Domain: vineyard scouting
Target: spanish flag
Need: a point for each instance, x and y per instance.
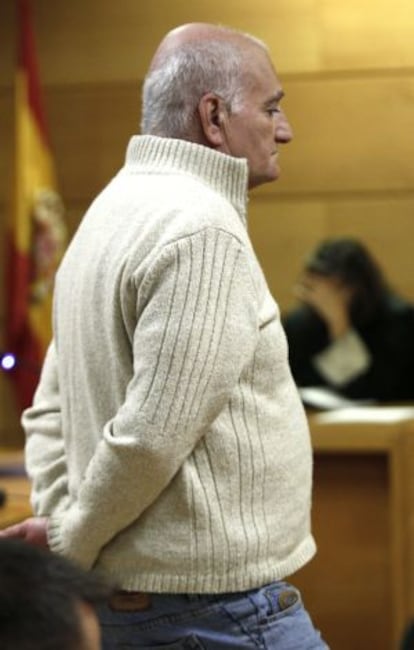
(36, 233)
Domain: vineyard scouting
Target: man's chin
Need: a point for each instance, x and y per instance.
(271, 176)
(273, 172)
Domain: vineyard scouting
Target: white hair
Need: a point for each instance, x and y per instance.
(173, 89)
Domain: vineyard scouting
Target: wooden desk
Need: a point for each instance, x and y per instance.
(360, 587)
(17, 487)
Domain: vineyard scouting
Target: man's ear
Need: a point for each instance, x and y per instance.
(211, 112)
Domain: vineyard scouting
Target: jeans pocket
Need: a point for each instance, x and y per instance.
(282, 603)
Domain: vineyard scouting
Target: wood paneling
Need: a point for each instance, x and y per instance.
(282, 233)
(359, 586)
(87, 40)
(351, 135)
(10, 429)
(89, 129)
(360, 35)
(285, 230)
(348, 598)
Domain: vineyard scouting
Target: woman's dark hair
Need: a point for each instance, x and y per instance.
(350, 261)
(40, 593)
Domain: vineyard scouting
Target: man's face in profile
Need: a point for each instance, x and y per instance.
(256, 128)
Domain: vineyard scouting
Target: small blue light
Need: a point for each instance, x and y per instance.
(7, 361)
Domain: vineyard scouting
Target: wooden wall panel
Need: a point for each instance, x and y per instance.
(387, 227)
(91, 126)
(11, 432)
(351, 524)
(87, 40)
(351, 134)
(361, 34)
(284, 231)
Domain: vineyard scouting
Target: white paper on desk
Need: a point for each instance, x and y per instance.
(368, 414)
(325, 399)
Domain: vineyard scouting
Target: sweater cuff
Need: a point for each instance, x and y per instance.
(86, 555)
(343, 360)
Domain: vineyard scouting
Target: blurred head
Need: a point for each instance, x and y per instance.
(217, 87)
(45, 601)
(351, 265)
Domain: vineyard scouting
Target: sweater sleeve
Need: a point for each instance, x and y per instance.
(196, 328)
(45, 451)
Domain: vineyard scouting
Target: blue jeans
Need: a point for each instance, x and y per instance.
(272, 617)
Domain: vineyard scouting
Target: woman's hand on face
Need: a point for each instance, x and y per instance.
(330, 298)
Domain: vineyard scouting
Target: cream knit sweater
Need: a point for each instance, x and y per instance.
(167, 442)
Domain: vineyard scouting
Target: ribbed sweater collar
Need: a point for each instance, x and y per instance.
(225, 174)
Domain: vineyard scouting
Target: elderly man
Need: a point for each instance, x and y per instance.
(167, 443)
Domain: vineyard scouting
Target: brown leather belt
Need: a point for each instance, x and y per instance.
(130, 601)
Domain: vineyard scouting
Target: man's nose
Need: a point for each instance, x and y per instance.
(283, 132)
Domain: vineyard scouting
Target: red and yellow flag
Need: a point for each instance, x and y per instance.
(36, 229)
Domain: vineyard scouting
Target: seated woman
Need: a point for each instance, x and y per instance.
(351, 333)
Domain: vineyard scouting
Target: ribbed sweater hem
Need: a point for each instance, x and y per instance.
(135, 579)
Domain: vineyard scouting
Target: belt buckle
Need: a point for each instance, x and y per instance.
(130, 601)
